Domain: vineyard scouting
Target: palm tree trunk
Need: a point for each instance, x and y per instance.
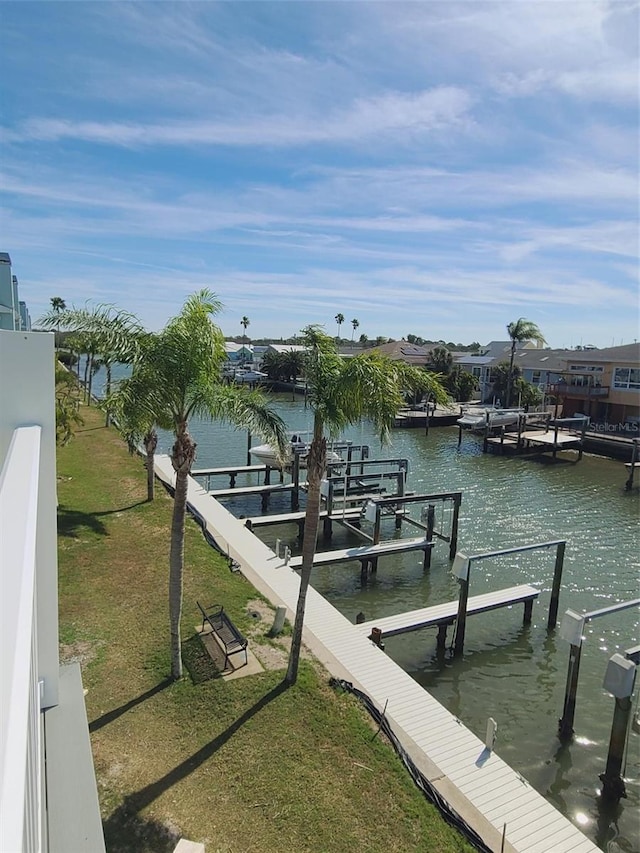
(182, 456)
(90, 380)
(86, 373)
(150, 444)
(108, 391)
(510, 376)
(316, 463)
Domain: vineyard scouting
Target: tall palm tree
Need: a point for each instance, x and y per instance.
(177, 375)
(355, 323)
(339, 318)
(341, 393)
(519, 331)
(57, 305)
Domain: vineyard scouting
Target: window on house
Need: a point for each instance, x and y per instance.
(626, 378)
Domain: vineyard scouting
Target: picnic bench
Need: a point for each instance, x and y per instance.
(224, 629)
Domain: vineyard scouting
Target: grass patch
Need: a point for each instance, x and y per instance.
(242, 765)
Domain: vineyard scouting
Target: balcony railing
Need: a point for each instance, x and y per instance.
(582, 392)
(20, 745)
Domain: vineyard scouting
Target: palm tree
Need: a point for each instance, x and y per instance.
(109, 332)
(177, 375)
(57, 305)
(136, 424)
(519, 331)
(441, 360)
(355, 323)
(339, 320)
(341, 393)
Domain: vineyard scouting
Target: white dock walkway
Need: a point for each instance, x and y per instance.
(488, 793)
(429, 617)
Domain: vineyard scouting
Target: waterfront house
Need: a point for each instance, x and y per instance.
(414, 354)
(604, 384)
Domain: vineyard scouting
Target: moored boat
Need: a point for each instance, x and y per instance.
(265, 454)
(478, 417)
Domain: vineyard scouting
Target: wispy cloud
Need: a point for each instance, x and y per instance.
(452, 163)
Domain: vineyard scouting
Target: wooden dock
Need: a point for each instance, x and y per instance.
(443, 615)
(535, 440)
(486, 793)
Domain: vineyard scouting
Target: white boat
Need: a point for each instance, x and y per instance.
(249, 376)
(265, 454)
(477, 417)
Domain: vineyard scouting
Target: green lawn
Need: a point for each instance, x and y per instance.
(241, 765)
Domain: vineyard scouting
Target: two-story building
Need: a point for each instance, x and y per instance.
(604, 384)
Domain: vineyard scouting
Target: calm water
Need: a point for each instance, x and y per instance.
(513, 673)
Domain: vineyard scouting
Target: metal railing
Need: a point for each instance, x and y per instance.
(582, 391)
(21, 803)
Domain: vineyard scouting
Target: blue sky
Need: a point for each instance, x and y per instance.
(430, 168)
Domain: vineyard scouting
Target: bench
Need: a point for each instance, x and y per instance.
(224, 629)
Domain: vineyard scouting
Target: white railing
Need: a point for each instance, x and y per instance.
(20, 719)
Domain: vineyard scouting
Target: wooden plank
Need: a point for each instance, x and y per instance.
(346, 554)
(250, 490)
(427, 617)
(232, 469)
(294, 517)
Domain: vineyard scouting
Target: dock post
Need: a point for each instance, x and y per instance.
(441, 639)
(232, 480)
(555, 440)
(265, 501)
(462, 616)
(431, 518)
(295, 492)
(267, 476)
(619, 679)
(613, 787)
(634, 462)
(376, 527)
(453, 545)
(376, 637)
(565, 724)
(327, 527)
(528, 610)
(555, 588)
(248, 447)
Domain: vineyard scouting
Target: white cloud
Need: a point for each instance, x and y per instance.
(392, 113)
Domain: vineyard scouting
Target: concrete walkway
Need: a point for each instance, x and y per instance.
(482, 788)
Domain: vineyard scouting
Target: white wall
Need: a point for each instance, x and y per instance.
(27, 398)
